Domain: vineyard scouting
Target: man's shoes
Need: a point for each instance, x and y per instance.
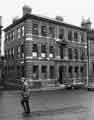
(28, 112)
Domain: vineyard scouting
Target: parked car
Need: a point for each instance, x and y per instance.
(68, 86)
(77, 85)
(62, 85)
(91, 86)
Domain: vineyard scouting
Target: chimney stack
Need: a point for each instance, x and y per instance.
(26, 10)
(86, 24)
(59, 18)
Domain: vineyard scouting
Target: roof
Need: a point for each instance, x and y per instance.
(38, 17)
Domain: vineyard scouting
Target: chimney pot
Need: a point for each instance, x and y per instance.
(26, 10)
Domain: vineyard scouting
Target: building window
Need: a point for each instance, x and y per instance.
(8, 53)
(61, 52)
(18, 33)
(22, 70)
(43, 48)
(75, 36)
(9, 36)
(35, 29)
(35, 72)
(70, 71)
(70, 35)
(82, 70)
(76, 54)
(6, 38)
(34, 50)
(22, 51)
(44, 71)
(51, 50)
(22, 30)
(61, 33)
(52, 72)
(12, 52)
(82, 53)
(52, 31)
(70, 53)
(77, 70)
(13, 35)
(18, 51)
(82, 37)
(44, 30)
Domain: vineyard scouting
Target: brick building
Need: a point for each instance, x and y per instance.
(48, 51)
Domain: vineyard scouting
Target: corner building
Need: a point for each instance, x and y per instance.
(47, 51)
(91, 56)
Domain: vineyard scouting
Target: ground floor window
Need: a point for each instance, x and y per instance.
(52, 72)
(22, 71)
(44, 71)
(70, 71)
(77, 71)
(35, 72)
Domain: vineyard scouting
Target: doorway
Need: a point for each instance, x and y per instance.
(61, 73)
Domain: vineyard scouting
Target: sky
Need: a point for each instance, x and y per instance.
(71, 10)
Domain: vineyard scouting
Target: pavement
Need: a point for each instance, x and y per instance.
(49, 105)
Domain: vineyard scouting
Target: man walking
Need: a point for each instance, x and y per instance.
(25, 99)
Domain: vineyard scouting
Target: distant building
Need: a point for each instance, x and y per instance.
(1, 61)
(47, 51)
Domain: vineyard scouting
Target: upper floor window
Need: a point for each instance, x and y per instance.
(70, 70)
(22, 50)
(6, 54)
(6, 37)
(12, 52)
(44, 71)
(9, 36)
(61, 52)
(70, 53)
(61, 33)
(82, 37)
(75, 36)
(13, 35)
(52, 31)
(82, 53)
(51, 49)
(77, 70)
(18, 33)
(44, 30)
(43, 48)
(18, 51)
(22, 30)
(76, 53)
(9, 52)
(70, 35)
(34, 48)
(35, 29)
(82, 70)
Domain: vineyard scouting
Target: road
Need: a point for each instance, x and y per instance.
(49, 105)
